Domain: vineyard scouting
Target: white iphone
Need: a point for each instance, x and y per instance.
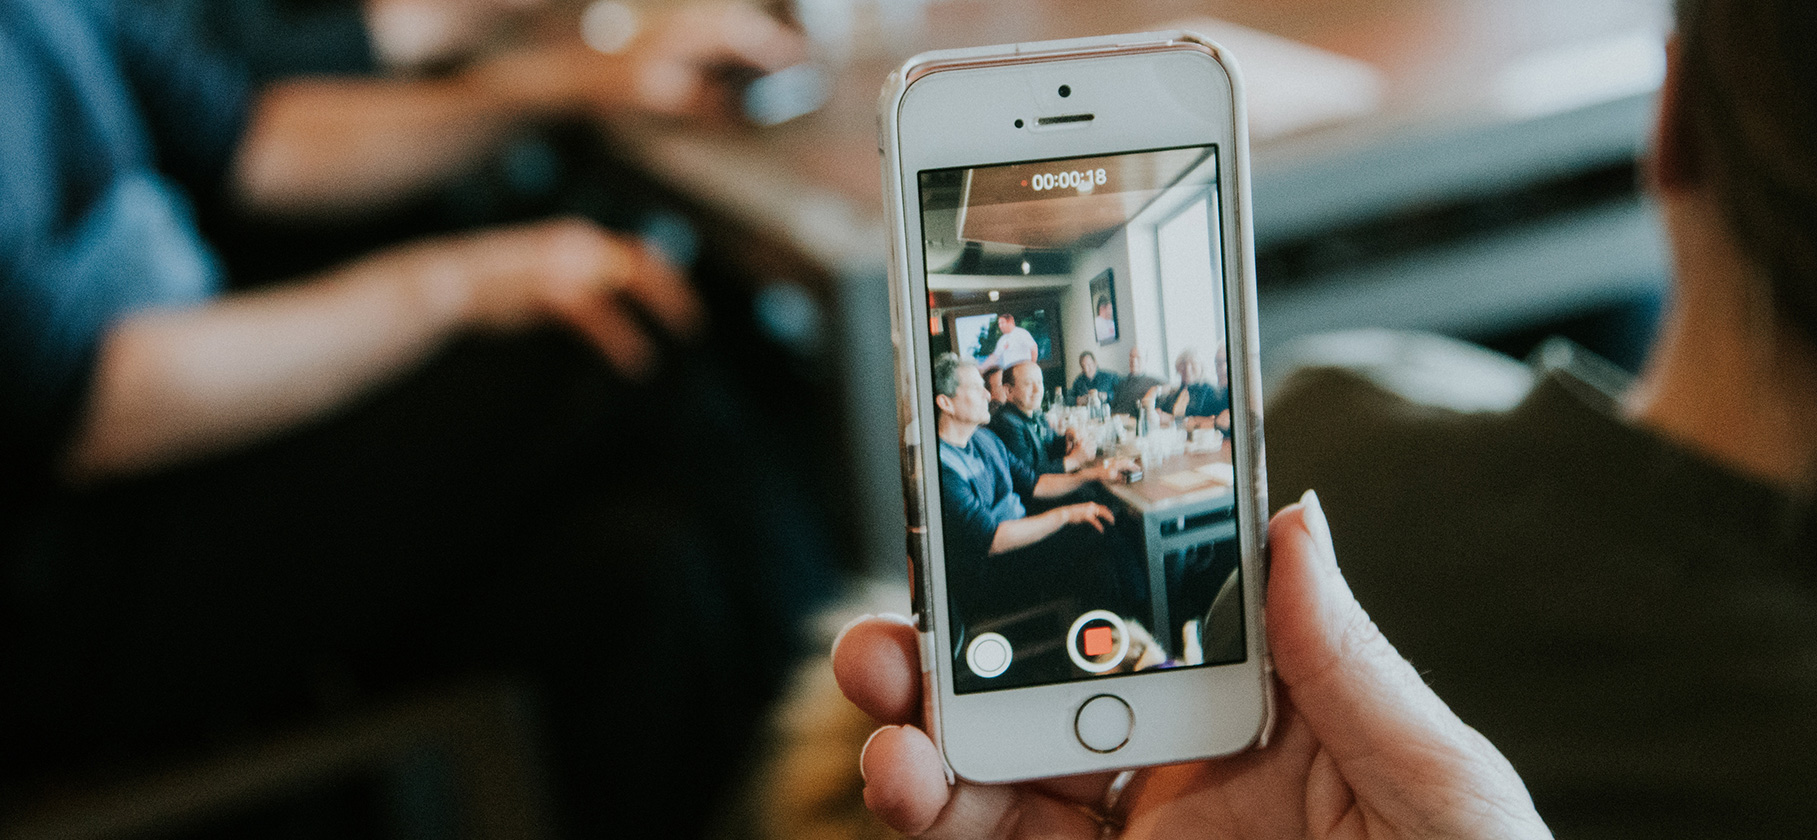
(1080, 402)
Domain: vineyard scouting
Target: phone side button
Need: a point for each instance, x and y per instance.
(1103, 723)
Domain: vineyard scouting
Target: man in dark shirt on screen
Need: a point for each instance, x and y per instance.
(1092, 378)
(1136, 389)
(1026, 434)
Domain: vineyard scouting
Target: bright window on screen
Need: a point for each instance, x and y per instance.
(1192, 303)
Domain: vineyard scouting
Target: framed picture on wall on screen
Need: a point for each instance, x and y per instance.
(1104, 307)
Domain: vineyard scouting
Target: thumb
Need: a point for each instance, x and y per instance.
(1355, 691)
(1397, 745)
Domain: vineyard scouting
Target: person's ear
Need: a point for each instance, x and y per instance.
(1672, 164)
(944, 403)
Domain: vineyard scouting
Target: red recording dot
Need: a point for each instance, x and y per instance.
(1025, 182)
(1099, 641)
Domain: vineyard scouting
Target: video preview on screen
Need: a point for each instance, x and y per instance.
(1082, 404)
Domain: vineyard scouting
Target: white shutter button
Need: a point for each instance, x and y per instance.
(1103, 723)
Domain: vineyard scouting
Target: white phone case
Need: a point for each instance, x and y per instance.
(1162, 702)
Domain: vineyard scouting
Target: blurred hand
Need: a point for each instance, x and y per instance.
(1109, 470)
(410, 34)
(1120, 469)
(570, 271)
(1364, 749)
(1089, 513)
(1078, 445)
(678, 62)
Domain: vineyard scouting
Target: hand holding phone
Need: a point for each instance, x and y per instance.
(1365, 748)
(1055, 203)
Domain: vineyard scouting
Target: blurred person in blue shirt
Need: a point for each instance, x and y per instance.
(434, 459)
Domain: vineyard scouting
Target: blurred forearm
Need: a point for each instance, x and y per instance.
(1054, 485)
(1022, 533)
(172, 385)
(336, 145)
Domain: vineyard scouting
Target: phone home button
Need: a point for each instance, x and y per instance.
(1103, 723)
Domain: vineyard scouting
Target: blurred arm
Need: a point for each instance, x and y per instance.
(1024, 532)
(328, 145)
(171, 385)
(1052, 485)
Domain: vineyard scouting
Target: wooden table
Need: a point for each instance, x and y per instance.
(1177, 516)
(803, 198)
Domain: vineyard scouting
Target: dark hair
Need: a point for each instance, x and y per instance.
(1087, 355)
(1748, 76)
(946, 373)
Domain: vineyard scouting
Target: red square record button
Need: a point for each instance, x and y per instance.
(1099, 641)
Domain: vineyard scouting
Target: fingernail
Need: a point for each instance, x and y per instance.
(1316, 525)
(848, 627)
(867, 748)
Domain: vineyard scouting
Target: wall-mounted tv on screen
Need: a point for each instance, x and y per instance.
(975, 335)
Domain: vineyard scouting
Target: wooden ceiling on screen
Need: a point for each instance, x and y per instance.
(1002, 206)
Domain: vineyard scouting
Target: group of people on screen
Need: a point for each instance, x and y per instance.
(1199, 398)
(1025, 520)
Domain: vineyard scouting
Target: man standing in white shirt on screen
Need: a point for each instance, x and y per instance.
(1015, 346)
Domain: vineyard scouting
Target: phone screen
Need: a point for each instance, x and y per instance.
(1078, 333)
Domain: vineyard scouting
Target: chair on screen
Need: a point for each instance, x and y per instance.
(1218, 637)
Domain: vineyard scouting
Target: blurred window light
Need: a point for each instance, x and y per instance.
(608, 26)
(786, 94)
(1582, 74)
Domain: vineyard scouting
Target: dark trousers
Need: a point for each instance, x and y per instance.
(638, 555)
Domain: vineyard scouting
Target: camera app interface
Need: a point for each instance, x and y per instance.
(1082, 405)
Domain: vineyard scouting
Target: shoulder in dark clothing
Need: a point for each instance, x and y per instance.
(1203, 399)
(1130, 392)
(116, 118)
(1563, 577)
(1028, 440)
